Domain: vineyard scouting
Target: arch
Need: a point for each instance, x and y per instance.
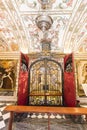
(47, 65)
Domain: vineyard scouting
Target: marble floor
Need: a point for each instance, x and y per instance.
(42, 124)
(40, 121)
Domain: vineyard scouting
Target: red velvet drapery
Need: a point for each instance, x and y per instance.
(23, 81)
(69, 81)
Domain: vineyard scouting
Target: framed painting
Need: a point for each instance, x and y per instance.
(81, 70)
(9, 69)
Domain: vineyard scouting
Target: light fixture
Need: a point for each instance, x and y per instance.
(44, 22)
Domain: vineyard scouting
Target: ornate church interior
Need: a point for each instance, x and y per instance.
(43, 54)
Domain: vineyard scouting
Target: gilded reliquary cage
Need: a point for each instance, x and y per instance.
(45, 83)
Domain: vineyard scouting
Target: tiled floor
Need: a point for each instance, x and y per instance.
(4, 116)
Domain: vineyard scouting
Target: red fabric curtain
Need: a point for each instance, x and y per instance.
(23, 81)
(23, 88)
(69, 81)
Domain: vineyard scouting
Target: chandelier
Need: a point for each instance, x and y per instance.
(44, 22)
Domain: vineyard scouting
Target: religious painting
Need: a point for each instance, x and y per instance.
(81, 68)
(8, 77)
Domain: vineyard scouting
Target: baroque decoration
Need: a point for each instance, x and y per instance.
(19, 32)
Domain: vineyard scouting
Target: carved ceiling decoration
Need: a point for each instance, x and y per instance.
(19, 32)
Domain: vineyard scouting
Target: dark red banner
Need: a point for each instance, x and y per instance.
(23, 89)
(69, 82)
(23, 81)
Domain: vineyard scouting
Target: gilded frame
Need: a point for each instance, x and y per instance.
(10, 61)
(81, 70)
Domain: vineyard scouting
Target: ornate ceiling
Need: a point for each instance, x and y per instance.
(19, 32)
